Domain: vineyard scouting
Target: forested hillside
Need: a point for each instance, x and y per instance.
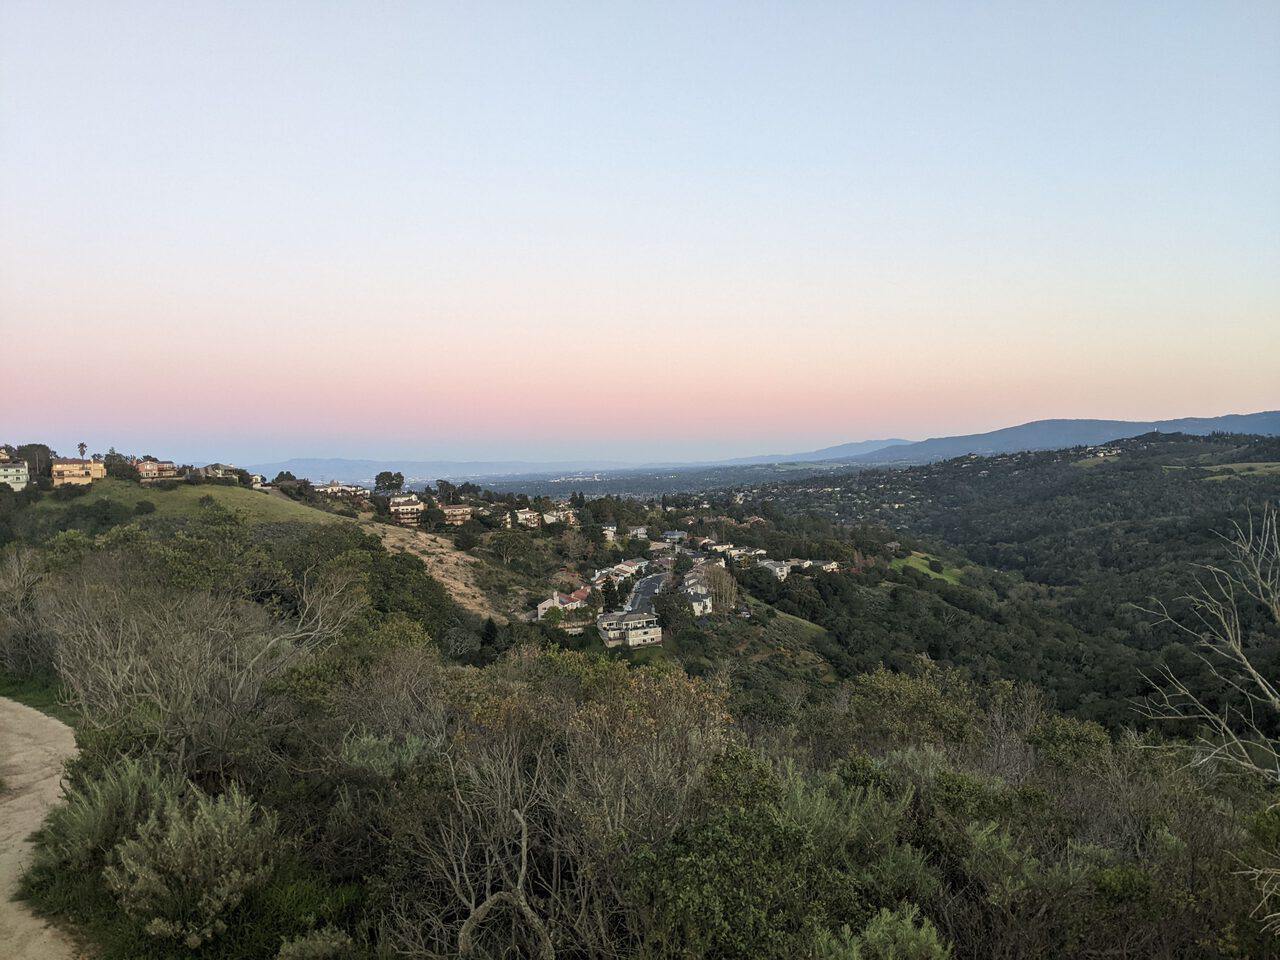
(1060, 554)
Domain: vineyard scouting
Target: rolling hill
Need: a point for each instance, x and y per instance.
(1059, 434)
(841, 451)
(257, 506)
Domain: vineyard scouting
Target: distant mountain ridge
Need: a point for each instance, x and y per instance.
(1056, 434)
(1036, 435)
(841, 451)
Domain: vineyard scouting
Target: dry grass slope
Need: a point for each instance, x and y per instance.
(456, 570)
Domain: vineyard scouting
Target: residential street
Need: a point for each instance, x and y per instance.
(645, 590)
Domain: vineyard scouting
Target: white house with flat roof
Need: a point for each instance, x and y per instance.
(637, 628)
(15, 473)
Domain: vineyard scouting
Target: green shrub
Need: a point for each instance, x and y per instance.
(900, 935)
(192, 863)
(861, 770)
(383, 756)
(328, 943)
(1124, 884)
(1064, 741)
(891, 935)
(739, 885)
(80, 833)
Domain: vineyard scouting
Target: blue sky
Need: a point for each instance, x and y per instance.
(547, 230)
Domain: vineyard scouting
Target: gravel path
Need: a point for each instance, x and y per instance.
(33, 748)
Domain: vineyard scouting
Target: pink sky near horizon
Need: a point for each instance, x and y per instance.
(252, 232)
(484, 394)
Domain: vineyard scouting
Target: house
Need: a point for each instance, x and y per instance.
(335, 489)
(674, 536)
(777, 568)
(799, 564)
(610, 532)
(636, 628)
(560, 515)
(217, 471)
(694, 587)
(619, 571)
(406, 509)
(69, 472)
(827, 566)
(155, 470)
(456, 514)
(639, 533)
(258, 481)
(15, 473)
(528, 518)
(557, 601)
(564, 602)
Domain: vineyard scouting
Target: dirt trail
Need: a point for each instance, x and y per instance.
(33, 748)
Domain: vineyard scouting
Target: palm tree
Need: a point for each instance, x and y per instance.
(82, 447)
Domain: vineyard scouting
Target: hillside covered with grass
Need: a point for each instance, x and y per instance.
(184, 499)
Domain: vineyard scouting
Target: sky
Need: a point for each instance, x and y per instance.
(525, 230)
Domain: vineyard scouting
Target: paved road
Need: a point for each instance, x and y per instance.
(645, 590)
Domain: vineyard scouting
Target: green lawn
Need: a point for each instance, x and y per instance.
(920, 561)
(783, 625)
(258, 506)
(1228, 470)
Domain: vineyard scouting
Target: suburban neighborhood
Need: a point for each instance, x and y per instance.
(585, 566)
